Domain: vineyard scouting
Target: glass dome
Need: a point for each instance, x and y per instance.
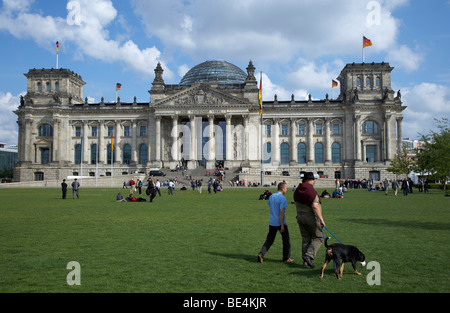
(214, 71)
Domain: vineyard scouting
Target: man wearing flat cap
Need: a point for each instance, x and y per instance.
(309, 218)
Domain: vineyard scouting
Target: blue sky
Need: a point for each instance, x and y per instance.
(299, 45)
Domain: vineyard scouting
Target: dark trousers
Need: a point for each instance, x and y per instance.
(64, 193)
(271, 237)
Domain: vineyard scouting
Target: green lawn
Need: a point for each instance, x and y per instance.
(208, 243)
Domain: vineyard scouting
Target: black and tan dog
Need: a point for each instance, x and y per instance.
(346, 253)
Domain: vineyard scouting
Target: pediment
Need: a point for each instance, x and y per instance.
(201, 95)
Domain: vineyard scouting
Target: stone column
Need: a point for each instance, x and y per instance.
(158, 138)
(85, 146)
(229, 142)
(357, 138)
(192, 162)
(56, 143)
(327, 145)
(134, 159)
(101, 143)
(387, 138)
(293, 145)
(246, 139)
(174, 133)
(399, 134)
(117, 151)
(276, 142)
(211, 162)
(310, 143)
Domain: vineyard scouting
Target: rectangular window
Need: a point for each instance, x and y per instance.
(45, 155)
(319, 129)
(126, 131)
(301, 129)
(78, 131)
(110, 131)
(268, 130)
(284, 129)
(336, 130)
(143, 131)
(94, 131)
(371, 154)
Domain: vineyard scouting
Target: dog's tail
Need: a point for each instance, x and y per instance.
(326, 244)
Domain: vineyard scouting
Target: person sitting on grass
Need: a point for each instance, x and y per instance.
(131, 198)
(119, 198)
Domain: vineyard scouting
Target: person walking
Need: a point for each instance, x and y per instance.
(64, 189)
(171, 186)
(75, 186)
(385, 186)
(277, 222)
(151, 190)
(395, 187)
(405, 187)
(309, 218)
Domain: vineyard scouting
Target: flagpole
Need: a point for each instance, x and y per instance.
(57, 60)
(81, 163)
(112, 159)
(96, 167)
(262, 131)
(363, 50)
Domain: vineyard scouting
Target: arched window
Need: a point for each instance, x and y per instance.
(368, 81)
(378, 82)
(301, 153)
(49, 86)
(318, 152)
(267, 153)
(94, 153)
(370, 127)
(336, 152)
(39, 86)
(57, 86)
(126, 154)
(46, 130)
(284, 153)
(358, 82)
(143, 154)
(77, 156)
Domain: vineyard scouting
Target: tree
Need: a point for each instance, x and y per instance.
(434, 158)
(401, 164)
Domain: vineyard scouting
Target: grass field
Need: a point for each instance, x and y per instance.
(189, 243)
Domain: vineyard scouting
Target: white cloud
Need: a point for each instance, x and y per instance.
(88, 29)
(268, 30)
(424, 102)
(405, 58)
(8, 125)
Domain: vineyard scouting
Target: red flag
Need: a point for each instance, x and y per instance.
(118, 86)
(57, 47)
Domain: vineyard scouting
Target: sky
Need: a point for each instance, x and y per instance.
(298, 45)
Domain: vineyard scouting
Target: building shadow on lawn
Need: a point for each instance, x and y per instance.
(402, 223)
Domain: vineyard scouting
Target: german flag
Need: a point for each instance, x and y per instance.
(366, 42)
(334, 83)
(57, 47)
(260, 95)
(112, 143)
(118, 86)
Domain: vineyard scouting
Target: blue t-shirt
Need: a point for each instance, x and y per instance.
(277, 202)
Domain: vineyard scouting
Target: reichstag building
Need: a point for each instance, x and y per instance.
(211, 118)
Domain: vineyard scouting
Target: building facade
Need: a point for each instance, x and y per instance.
(211, 118)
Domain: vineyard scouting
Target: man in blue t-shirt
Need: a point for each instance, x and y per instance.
(277, 222)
